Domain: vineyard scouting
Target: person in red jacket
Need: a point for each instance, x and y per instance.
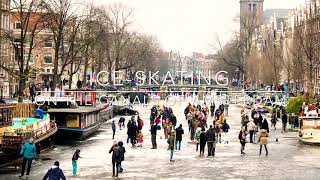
(312, 107)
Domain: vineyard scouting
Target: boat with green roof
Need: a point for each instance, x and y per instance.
(15, 130)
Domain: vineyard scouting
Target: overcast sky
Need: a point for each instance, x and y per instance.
(190, 25)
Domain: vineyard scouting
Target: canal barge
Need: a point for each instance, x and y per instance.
(77, 122)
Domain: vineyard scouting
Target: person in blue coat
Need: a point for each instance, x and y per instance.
(29, 153)
(39, 113)
(55, 173)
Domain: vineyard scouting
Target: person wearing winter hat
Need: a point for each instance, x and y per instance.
(55, 173)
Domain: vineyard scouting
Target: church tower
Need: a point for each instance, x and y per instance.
(252, 8)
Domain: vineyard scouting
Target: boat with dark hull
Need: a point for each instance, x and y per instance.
(76, 123)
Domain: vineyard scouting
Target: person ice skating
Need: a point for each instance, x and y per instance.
(197, 138)
(121, 122)
(153, 131)
(29, 153)
(212, 109)
(251, 128)
(179, 133)
(274, 120)
(284, 119)
(75, 158)
(225, 129)
(121, 158)
(55, 173)
(132, 131)
(116, 159)
(171, 143)
(203, 141)
(140, 123)
(140, 138)
(211, 138)
(217, 132)
(242, 138)
(263, 139)
(221, 107)
(244, 119)
(165, 126)
(265, 125)
(113, 125)
(173, 120)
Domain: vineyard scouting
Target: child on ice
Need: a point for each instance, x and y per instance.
(75, 158)
(140, 139)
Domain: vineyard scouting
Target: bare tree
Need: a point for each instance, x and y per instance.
(238, 50)
(274, 59)
(90, 33)
(254, 68)
(24, 39)
(140, 54)
(232, 55)
(65, 25)
(307, 41)
(120, 48)
(288, 63)
(119, 18)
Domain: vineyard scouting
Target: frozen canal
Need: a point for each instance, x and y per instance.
(287, 159)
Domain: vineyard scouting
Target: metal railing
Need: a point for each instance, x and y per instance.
(14, 140)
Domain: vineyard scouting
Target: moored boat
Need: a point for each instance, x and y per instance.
(76, 122)
(14, 131)
(310, 129)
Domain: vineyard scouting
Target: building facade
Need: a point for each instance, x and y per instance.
(301, 30)
(42, 51)
(249, 8)
(4, 47)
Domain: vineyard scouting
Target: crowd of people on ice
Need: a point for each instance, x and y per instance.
(198, 118)
(207, 126)
(253, 125)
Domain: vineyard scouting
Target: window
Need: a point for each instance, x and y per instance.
(27, 42)
(48, 44)
(47, 58)
(31, 58)
(18, 25)
(249, 7)
(254, 9)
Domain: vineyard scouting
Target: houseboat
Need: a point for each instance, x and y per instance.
(309, 132)
(75, 122)
(15, 130)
